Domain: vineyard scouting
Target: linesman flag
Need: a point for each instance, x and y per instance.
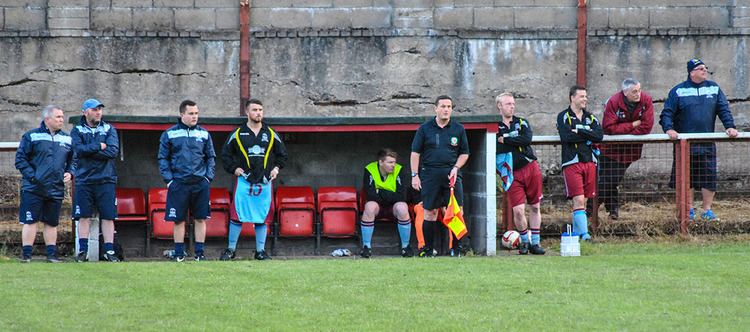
(454, 217)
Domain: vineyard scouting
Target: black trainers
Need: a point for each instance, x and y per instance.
(261, 255)
(536, 249)
(111, 257)
(200, 257)
(426, 252)
(456, 252)
(407, 252)
(523, 248)
(53, 259)
(82, 257)
(366, 252)
(227, 255)
(25, 259)
(178, 259)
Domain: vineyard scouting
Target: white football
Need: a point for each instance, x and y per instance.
(511, 240)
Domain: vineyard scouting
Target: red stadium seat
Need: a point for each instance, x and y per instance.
(338, 211)
(131, 207)
(218, 224)
(157, 205)
(295, 211)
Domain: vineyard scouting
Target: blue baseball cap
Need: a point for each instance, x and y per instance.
(91, 103)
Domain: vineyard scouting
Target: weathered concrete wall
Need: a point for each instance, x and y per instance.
(356, 58)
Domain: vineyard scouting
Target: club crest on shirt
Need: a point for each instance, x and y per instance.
(454, 141)
(264, 137)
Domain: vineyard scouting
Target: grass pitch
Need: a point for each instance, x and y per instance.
(614, 286)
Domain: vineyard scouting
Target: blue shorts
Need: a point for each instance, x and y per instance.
(703, 172)
(37, 208)
(182, 196)
(436, 188)
(100, 195)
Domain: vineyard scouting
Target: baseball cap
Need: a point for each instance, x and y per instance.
(91, 103)
(694, 63)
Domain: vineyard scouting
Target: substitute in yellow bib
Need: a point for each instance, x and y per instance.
(385, 196)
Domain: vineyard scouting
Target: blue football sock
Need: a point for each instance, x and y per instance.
(535, 236)
(524, 236)
(404, 231)
(109, 246)
(580, 223)
(260, 237)
(27, 250)
(51, 250)
(368, 227)
(198, 248)
(83, 245)
(234, 234)
(179, 249)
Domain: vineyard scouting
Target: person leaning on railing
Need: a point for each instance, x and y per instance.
(630, 111)
(692, 107)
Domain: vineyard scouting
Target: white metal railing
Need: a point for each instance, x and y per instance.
(649, 137)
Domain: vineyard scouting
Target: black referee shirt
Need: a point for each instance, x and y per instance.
(440, 147)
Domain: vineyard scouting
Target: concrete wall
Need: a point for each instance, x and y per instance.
(355, 58)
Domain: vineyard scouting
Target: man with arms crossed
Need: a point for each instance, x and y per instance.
(514, 136)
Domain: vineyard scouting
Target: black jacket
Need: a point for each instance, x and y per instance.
(517, 139)
(385, 197)
(578, 147)
(255, 147)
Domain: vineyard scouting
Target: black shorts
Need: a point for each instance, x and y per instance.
(703, 172)
(37, 208)
(436, 188)
(183, 197)
(99, 196)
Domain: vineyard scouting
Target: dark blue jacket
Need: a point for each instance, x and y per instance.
(43, 159)
(186, 154)
(92, 164)
(692, 108)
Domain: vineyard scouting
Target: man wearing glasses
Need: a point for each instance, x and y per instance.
(692, 107)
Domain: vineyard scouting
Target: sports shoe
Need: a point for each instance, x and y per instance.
(178, 259)
(536, 249)
(200, 257)
(456, 252)
(709, 215)
(692, 214)
(407, 252)
(366, 252)
(25, 259)
(227, 255)
(111, 257)
(82, 257)
(53, 259)
(261, 255)
(426, 252)
(523, 248)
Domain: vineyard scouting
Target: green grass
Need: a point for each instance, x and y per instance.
(615, 286)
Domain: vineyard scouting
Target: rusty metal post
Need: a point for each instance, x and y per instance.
(244, 54)
(581, 43)
(682, 183)
(595, 204)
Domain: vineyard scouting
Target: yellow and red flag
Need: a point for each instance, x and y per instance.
(454, 217)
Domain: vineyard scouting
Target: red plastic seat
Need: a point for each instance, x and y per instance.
(157, 205)
(131, 204)
(338, 211)
(295, 208)
(218, 224)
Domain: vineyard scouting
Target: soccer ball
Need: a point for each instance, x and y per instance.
(511, 240)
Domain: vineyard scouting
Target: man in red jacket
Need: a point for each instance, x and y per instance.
(628, 112)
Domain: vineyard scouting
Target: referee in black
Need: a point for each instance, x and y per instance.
(439, 150)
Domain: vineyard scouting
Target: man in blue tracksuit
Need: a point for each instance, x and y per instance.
(45, 160)
(187, 164)
(692, 107)
(96, 146)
